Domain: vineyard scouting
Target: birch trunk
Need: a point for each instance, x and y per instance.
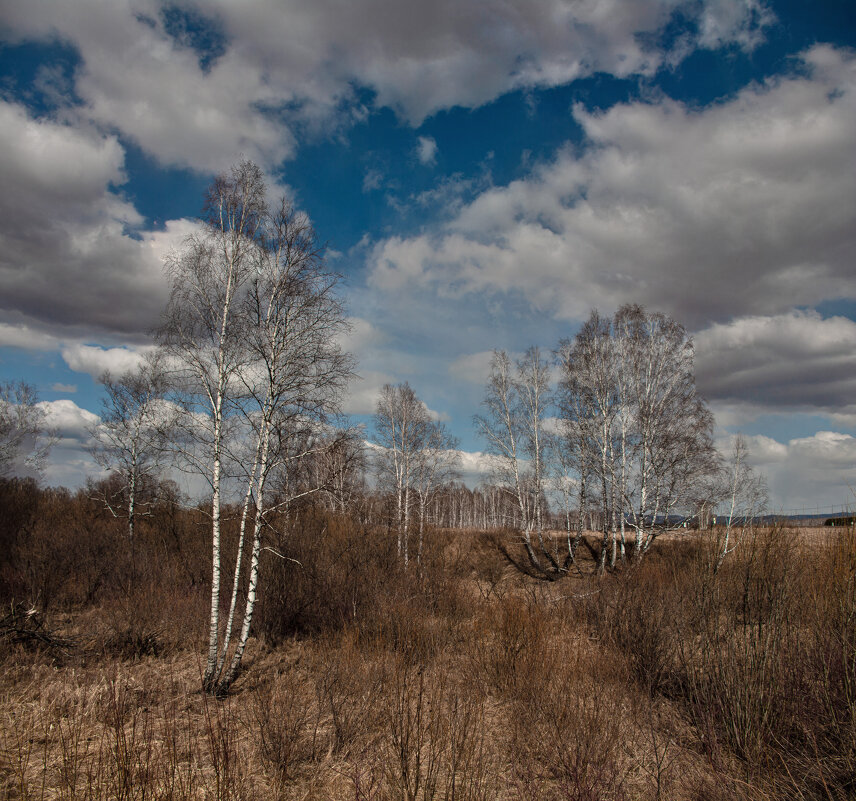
(252, 585)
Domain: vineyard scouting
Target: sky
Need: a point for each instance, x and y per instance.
(484, 173)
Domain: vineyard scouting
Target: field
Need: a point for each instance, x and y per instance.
(461, 678)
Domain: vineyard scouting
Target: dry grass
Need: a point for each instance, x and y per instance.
(461, 680)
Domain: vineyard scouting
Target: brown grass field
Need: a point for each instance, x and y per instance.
(462, 679)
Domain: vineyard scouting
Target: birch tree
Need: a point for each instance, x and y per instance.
(250, 334)
(742, 497)
(437, 463)
(590, 407)
(202, 337)
(532, 383)
(339, 468)
(402, 429)
(291, 384)
(515, 404)
(673, 427)
(131, 436)
(25, 439)
(634, 422)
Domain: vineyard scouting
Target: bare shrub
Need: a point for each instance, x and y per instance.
(567, 737)
(412, 712)
(736, 675)
(331, 573)
(821, 759)
(280, 722)
(436, 736)
(637, 613)
(514, 643)
(348, 686)
(87, 734)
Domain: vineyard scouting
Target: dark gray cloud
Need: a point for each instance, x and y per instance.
(70, 264)
(795, 361)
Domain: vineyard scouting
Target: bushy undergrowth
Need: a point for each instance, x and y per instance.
(453, 678)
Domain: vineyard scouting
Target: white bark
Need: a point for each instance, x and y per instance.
(402, 429)
(250, 331)
(633, 417)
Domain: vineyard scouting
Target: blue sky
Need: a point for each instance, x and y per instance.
(484, 173)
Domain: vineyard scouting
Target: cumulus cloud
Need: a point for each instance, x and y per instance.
(70, 461)
(791, 361)
(365, 390)
(722, 22)
(473, 368)
(23, 336)
(805, 473)
(762, 450)
(96, 360)
(69, 420)
(475, 467)
(743, 207)
(361, 336)
(196, 84)
(71, 264)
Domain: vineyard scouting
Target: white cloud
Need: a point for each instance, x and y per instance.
(96, 360)
(67, 388)
(472, 367)
(69, 462)
(426, 149)
(362, 336)
(763, 451)
(475, 467)
(365, 390)
(23, 336)
(280, 64)
(70, 421)
(817, 471)
(742, 22)
(743, 207)
(373, 179)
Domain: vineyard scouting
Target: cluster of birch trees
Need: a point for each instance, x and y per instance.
(241, 390)
(415, 457)
(623, 429)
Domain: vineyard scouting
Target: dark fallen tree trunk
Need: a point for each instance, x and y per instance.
(27, 627)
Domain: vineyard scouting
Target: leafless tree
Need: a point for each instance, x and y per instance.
(25, 439)
(402, 429)
(339, 468)
(130, 438)
(202, 337)
(515, 406)
(437, 464)
(250, 334)
(672, 425)
(742, 497)
(291, 382)
(590, 408)
(634, 421)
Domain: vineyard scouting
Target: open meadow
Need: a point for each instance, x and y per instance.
(457, 678)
